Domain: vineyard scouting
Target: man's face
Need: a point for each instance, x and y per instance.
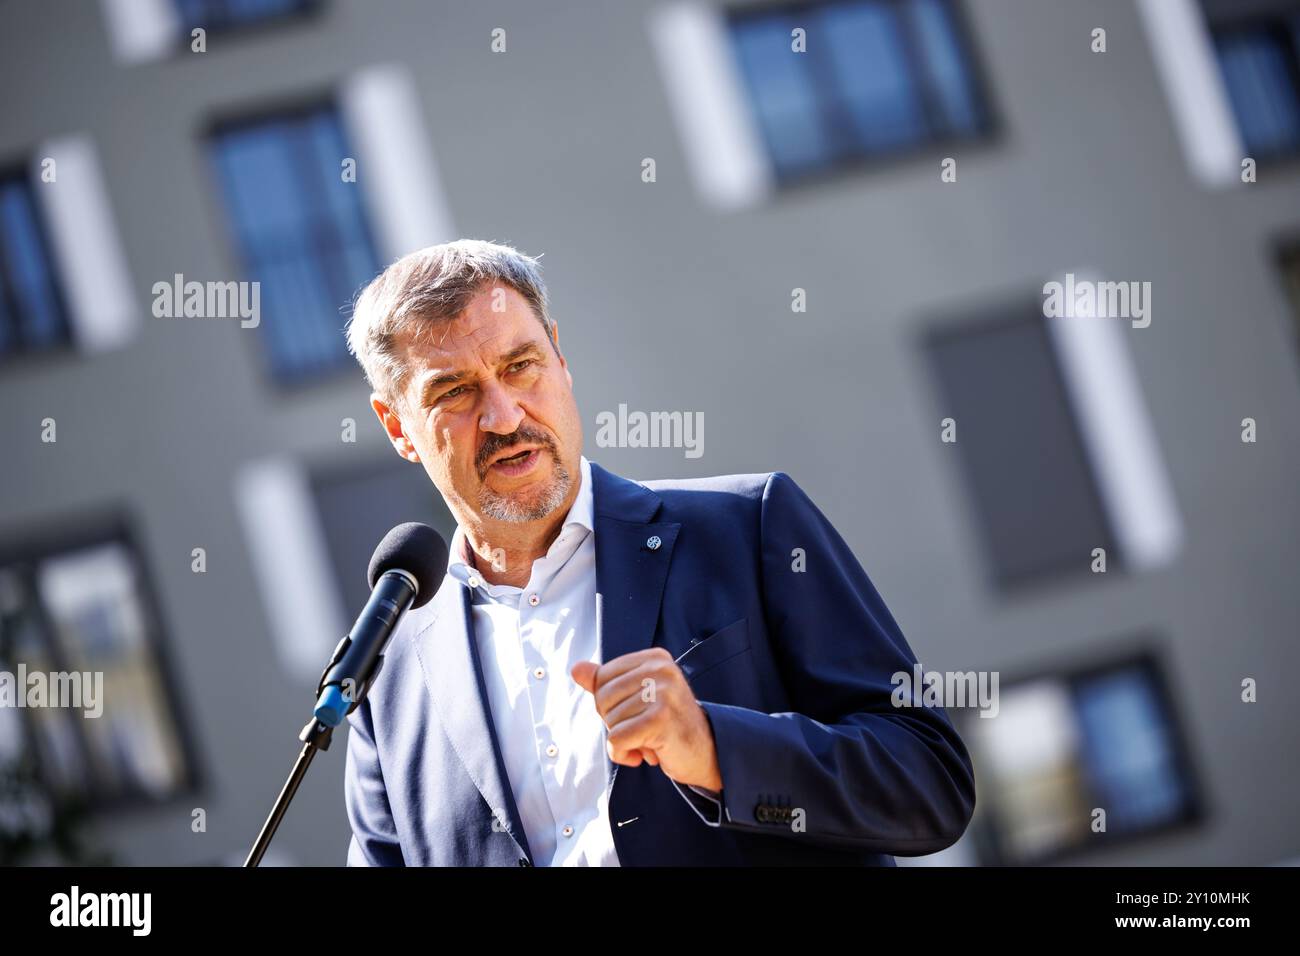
(482, 388)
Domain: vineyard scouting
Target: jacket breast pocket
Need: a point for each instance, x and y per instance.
(720, 646)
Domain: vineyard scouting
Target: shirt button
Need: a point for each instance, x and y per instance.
(539, 672)
(473, 582)
(567, 831)
(552, 750)
(534, 600)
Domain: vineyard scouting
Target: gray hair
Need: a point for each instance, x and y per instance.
(430, 287)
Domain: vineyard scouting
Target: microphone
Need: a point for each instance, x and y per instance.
(405, 572)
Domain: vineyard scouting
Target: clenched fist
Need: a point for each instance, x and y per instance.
(652, 715)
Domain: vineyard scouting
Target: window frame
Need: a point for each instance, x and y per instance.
(1237, 22)
(1145, 651)
(25, 548)
(20, 169)
(290, 108)
(992, 127)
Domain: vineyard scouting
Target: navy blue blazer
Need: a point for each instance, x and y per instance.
(788, 648)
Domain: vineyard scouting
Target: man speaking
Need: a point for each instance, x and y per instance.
(616, 673)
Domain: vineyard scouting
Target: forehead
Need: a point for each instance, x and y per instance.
(478, 336)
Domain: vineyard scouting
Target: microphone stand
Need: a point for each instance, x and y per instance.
(315, 736)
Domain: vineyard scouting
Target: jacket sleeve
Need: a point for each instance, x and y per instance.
(374, 836)
(864, 772)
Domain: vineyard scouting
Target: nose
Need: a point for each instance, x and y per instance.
(501, 413)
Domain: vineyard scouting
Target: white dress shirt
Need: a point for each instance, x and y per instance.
(552, 738)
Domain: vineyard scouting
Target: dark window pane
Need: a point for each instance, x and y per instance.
(946, 65)
(358, 506)
(879, 77)
(1258, 48)
(872, 74)
(32, 315)
(224, 14)
(784, 97)
(302, 232)
(1289, 260)
(1258, 76)
(1023, 459)
(1128, 751)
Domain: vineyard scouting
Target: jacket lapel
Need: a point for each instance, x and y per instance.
(630, 570)
(454, 675)
(630, 573)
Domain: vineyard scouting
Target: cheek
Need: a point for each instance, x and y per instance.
(432, 441)
(569, 406)
(559, 401)
(457, 444)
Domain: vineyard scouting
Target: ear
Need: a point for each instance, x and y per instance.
(392, 423)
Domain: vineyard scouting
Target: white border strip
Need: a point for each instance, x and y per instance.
(1186, 62)
(85, 243)
(1118, 435)
(396, 166)
(141, 30)
(705, 91)
(288, 548)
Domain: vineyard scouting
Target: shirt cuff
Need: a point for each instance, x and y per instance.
(707, 804)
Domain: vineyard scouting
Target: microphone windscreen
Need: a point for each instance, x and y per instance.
(416, 549)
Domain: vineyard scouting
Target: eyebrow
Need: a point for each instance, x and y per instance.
(451, 378)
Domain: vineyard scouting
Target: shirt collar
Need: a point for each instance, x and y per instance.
(581, 512)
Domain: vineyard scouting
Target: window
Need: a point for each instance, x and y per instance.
(1289, 260)
(301, 231)
(1257, 45)
(33, 316)
(311, 532)
(1021, 451)
(227, 14)
(360, 504)
(1063, 744)
(84, 605)
(879, 77)
(144, 30)
(1054, 445)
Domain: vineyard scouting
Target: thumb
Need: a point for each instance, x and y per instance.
(584, 672)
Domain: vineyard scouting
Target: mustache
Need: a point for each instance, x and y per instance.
(495, 443)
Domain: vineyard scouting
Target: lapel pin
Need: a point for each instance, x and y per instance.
(653, 542)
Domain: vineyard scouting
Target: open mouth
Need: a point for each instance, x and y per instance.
(518, 463)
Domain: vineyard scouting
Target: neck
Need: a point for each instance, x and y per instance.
(503, 552)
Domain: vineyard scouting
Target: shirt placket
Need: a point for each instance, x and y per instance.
(554, 734)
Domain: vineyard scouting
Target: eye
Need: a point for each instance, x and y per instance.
(453, 392)
(521, 365)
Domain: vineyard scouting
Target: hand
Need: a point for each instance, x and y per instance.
(651, 714)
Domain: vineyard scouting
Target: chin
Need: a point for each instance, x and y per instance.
(529, 503)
